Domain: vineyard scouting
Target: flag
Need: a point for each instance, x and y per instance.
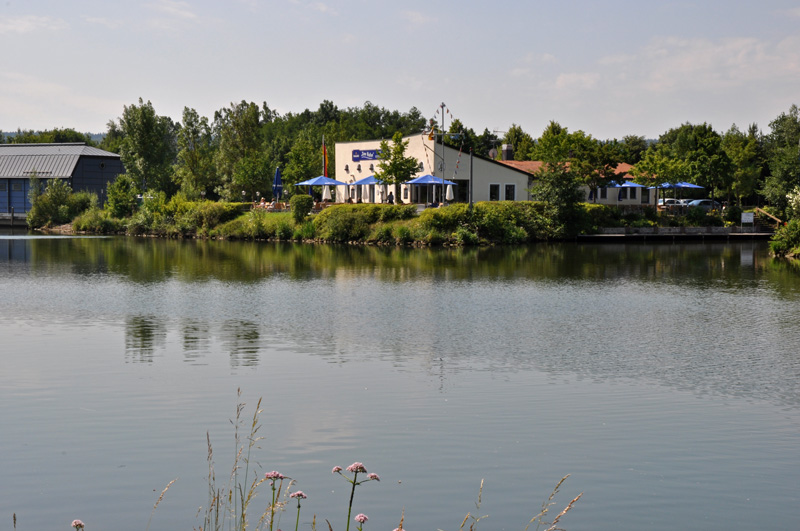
(324, 158)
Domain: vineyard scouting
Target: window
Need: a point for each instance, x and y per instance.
(405, 192)
(511, 192)
(623, 194)
(633, 193)
(603, 193)
(645, 196)
(16, 187)
(494, 192)
(3, 186)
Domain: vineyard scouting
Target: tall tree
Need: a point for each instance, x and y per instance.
(783, 157)
(149, 147)
(742, 149)
(521, 141)
(238, 132)
(699, 147)
(194, 171)
(633, 148)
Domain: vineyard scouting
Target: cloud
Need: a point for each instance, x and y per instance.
(417, 19)
(30, 24)
(172, 15)
(175, 9)
(323, 8)
(674, 64)
(577, 81)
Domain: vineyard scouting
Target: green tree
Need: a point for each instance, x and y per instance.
(633, 148)
(560, 191)
(304, 159)
(520, 140)
(743, 151)
(149, 147)
(699, 147)
(195, 170)
(783, 157)
(394, 167)
(112, 141)
(121, 195)
(238, 132)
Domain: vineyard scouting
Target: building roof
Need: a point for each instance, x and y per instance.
(46, 160)
(533, 166)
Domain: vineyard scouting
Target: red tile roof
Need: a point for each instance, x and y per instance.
(533, 166)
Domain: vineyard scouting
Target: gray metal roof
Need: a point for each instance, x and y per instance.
(47, 160)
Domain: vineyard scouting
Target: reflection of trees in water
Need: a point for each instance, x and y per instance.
(143, 335)
(196, 337)
(242, 340)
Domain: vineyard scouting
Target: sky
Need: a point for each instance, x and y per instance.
(610, 68)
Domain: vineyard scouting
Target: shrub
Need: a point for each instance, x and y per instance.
(306, 231)
(733, 214)
(57, 204)
(301, 206)
(98, 221)
(786, 239)
(341, 223)
(122, 196)
(464, 236)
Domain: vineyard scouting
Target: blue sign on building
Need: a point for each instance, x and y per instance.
(366, 154)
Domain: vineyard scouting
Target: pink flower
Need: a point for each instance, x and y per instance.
(77, 524)
(374, 477)
(299, 494)
(274, 475)
(336, 469)
(361, 518)
(357, 467)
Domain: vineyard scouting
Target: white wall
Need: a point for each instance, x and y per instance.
(485, 173)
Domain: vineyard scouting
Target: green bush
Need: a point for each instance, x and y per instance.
(98, 221)
(786, 239)
(57, 204)
(301, 206)
(306, 231)
(121, 194)
(341, 223)
(733, 214)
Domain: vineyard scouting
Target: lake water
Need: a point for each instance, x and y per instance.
(664, 378)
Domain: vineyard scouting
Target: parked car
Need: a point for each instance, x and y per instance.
(667, 203)
(705, 204)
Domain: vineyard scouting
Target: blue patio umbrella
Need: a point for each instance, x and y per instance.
(320, 181)
(429, 179)
(277, 185)
(366, 181)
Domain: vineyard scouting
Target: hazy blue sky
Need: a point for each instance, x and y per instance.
(610, 68)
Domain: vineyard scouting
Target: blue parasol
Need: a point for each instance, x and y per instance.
(277, 185)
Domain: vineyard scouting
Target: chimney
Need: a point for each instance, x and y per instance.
(508, 152)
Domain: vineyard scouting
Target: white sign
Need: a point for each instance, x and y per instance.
(748, 217)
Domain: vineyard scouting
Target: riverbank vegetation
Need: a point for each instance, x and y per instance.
(233, 156)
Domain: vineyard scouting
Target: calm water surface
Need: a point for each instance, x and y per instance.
(665, 378)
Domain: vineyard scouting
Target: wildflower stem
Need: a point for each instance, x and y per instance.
(297, 522)
(352, 494)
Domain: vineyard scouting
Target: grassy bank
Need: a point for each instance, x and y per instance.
(486, 223)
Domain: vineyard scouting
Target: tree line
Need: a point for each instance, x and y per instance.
(238, 149)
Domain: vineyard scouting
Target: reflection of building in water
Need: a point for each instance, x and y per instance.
(15, 250)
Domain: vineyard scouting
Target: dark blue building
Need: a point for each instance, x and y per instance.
(85, 168)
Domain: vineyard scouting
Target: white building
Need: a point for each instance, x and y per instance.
(491, 180)
(506, 180)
